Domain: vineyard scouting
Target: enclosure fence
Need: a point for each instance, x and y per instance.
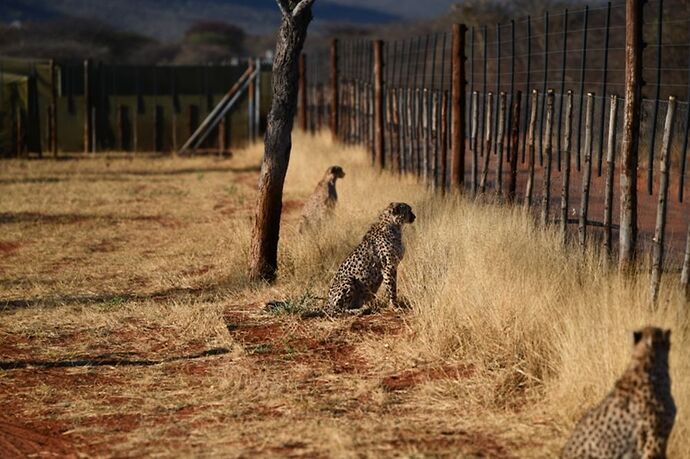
(49, 108)
(560, 113)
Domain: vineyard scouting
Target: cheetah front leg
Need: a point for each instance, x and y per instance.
(390, 274)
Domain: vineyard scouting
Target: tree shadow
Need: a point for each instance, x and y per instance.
(106, 298)
(106, 361)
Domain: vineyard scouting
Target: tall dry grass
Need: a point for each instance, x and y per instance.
(548, 328)
(545, 329)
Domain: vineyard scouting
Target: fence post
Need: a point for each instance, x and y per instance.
(567, 149)
(487, 140)
(378, 104)
(303, 92)
(473, 140)
(398, 160)
(443, 142)
(530, 145)
(458, 94)
(610, 168)
(121, 125)
(52, 122)
(251, 98)
(500, 137)
(587, 173)
(334, 89)
(660, 228)
(631, 133)
(548, 152)
(514, 144)
(88, 126)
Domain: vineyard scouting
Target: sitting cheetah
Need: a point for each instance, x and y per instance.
(374, 261)
(636, 418)
(322, 201)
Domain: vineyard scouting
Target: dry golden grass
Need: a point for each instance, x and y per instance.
(510, 338)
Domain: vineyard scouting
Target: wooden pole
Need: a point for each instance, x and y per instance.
(444, 143)
(548, 153)
(53, 121)
(378, 105)
(660, 228)
(334, 89)
(530, 146)
(473, 141)
(587, 173)
(514, 142)
(610, 168)
(458, 102)
(433, 133)
(88, 125)
(121, 126)
(567, 151)
(251, 109)
(500, 139)
(397, 153)
(631, 132)
(222, 148)
(425, 135)
(487, 141)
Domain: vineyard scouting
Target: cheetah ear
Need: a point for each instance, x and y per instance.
(637, 336)
(667, 335)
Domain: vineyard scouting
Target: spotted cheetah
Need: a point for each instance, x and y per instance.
(374, 261)
(322, 201)
(636, 418)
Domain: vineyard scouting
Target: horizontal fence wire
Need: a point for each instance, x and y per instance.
(579, 51)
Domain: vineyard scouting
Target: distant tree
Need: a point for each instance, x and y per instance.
(278, 141)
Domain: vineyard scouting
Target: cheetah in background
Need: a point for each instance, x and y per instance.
(322, 201)
(373, 262)
(635, 420)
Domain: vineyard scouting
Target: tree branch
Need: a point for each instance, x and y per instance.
(301, 6)
(284, 8)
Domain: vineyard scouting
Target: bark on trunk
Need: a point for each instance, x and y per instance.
(278, 139)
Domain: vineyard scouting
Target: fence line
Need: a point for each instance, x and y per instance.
(542, 95)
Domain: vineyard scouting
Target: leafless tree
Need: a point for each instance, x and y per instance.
(278, 140)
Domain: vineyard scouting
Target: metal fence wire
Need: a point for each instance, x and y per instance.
(569, 67)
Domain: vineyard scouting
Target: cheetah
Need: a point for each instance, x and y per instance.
(373, 262)
(635, 420)
(322, 201)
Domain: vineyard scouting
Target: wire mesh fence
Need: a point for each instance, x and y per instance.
(569, 68)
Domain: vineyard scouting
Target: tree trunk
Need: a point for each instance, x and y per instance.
(278, 139)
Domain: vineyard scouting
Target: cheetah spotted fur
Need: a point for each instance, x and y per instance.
(373, 262)
(635, 420)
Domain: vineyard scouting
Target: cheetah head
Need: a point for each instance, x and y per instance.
(399, 213)
(335, 172)
(651, 341)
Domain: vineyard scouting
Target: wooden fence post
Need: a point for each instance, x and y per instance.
(514, 143)
(473, 141)
(610, 168)
(548, 152)
(660, 228)
(631, 132)
(334, 89)
(530, 146)
(567, 150)
(444, 143)
(458, 97)
(398, 161)
(251, 107)
(302, 92)
(500, 138)
(433, 136)
(121, 126)
(587, 173)
(378, 105)
(487, 140)
(88, 125)
(53, 119)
